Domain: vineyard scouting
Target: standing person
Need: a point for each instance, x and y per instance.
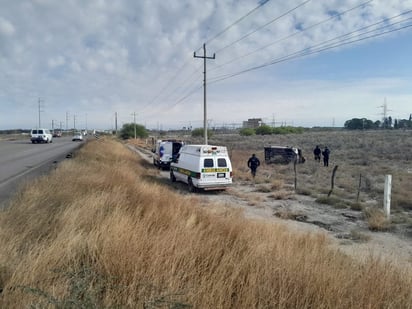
(253, 164)
(316, 153)
(325, 154)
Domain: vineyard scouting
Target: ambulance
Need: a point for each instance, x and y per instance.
(165, 151)
(203, 167)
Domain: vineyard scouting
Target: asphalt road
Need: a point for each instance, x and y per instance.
(22, 161)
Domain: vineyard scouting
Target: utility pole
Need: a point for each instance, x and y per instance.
(115, 123)
(134, 121)
(67, 121)
(204, 57)
(74, 123)
(39, 102)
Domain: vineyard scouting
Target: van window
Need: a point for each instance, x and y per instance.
(34, 131)
(40, 131)
(221, 162)
(208, 163)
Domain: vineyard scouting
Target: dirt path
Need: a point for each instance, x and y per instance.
(347, 228)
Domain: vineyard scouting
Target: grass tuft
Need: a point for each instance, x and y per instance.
(376, 219)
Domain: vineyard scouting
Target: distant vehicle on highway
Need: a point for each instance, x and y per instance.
(41, 136)
(77, 137)
(57, 134)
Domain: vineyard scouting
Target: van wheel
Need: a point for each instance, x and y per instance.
(191, 187)
(172, 176)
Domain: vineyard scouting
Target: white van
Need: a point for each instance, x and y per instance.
(165, 151)
(202, 167)
(41, 136)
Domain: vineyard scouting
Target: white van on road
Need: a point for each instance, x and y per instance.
(204, 167)
(41, 136)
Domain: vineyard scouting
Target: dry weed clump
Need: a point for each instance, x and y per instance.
(377, 221)
(281, 195)
(97, 232)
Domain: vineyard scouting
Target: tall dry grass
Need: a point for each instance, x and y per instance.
(100, 231)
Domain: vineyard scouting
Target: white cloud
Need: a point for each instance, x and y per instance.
(56, 61)
(125, 56)
(6, 27)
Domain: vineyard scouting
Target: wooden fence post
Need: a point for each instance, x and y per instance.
(359, 188)
(387, 196)
(296, 177)
(332, 181)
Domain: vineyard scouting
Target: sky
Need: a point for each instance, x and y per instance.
(92, 64)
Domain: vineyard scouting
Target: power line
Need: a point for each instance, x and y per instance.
(293, 34)
(261, 3)
(308, 51)
(263, 26)
(317, 48)
(175, 89)
(166, 85)
(173, 78)
(186, 96)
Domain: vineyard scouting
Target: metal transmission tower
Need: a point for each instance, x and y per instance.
(204, 57)
(385, 114)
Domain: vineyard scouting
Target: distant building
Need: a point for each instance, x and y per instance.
(252, 123)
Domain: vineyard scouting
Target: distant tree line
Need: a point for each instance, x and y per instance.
(268, 130)
(386, 123)
(15, 131)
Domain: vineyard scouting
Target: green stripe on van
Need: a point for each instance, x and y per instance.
(184, 171)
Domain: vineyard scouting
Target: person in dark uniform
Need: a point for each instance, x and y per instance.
(316, 153)
(325, 154)
(253, 164)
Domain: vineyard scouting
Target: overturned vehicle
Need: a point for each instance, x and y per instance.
(283, 154)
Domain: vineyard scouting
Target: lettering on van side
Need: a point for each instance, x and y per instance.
(215, 170)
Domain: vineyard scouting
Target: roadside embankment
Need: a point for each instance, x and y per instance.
(102, 231)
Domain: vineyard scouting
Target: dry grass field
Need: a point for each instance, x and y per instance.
(363, 160)
(102, 231)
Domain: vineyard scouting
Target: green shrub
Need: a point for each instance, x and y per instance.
(247, 132)
(129, 130)
(199, 132)
(264, 130)
(287, 130)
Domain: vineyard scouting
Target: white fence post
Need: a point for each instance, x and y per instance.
(387, 196)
